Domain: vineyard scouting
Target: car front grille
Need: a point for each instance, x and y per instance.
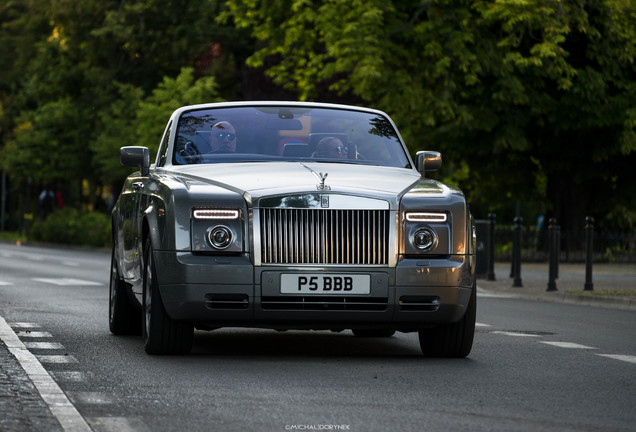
(321, 236)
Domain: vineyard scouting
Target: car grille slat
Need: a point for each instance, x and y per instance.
(322, 236)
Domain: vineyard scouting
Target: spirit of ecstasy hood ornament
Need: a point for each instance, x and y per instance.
(321, 177)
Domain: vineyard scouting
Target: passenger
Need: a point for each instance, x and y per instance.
(223, 138)
(330, 147)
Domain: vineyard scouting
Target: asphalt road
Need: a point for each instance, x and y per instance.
(534, 367)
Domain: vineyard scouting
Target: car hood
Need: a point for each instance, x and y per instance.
(260, 179)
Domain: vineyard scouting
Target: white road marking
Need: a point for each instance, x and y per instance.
(33, 334)
(44, 345)
(507, 333)
(3, 283)
(67, 282)
(24, 325)
(625, 358)
(59, 405)
(118, 424)
(71, 263)
(567, 345)
(92, 398)
(56, 359)
(70, 376)
(482, 325)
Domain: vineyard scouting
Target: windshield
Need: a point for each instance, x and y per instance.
(263, 133)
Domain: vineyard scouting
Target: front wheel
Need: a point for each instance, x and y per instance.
(162, 334)
(454, 339)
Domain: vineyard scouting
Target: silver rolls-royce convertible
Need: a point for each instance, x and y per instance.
(290, 215)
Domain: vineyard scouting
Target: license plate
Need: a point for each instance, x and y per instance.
(325, 284)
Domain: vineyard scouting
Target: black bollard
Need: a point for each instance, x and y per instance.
(553, 245)
(589, 239)
(516, 253)
(557, 242)
(491, 247)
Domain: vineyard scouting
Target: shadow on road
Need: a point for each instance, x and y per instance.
(270, 343)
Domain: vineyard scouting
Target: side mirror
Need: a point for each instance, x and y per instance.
(428, 161)
(135, 156)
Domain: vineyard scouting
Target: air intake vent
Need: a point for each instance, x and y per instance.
(318, 236)
(419, 303)
(226, 301)
(325, 303)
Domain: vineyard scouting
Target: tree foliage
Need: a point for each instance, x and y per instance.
(531, 100)
(527, 100)
(83, 78)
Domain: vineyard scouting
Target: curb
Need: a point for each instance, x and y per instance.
(610, 302)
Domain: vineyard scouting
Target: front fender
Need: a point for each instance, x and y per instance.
(154, 224)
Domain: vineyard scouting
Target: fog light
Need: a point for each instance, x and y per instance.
(424, 239)
(220, 237)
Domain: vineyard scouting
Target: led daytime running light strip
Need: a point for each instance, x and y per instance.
(426, 217)
(215, 214)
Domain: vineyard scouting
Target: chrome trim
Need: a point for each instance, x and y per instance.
(226, 230)
(315, 201)
(431, 241)
(324, 237)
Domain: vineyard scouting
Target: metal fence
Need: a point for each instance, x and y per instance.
(607, 246)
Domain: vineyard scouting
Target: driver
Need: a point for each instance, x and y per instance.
(331, 147)
(223, 138)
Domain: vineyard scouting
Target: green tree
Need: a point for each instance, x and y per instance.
(77, 72)
(117, 128)
(529, 100)
(45, 146)
(168, 96)
(136, 120)
(47, 135)
(150, 39)
(20, 29)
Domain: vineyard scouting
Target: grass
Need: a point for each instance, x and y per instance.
(12, 236)
(604, 292)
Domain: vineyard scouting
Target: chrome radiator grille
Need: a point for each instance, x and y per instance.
(321, 236)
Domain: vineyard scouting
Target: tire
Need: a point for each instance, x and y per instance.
(452, 340)
(162, 334)
(123, 317)
(373, 333)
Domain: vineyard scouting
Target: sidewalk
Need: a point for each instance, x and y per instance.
(614, 284)
(22, 408)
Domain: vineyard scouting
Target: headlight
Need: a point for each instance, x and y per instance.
(217, 230)
(426, 233)
(204, 213)
(220, 237)
(426, 217)
(424, 239)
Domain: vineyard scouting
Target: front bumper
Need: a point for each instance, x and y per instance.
(231, 292)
